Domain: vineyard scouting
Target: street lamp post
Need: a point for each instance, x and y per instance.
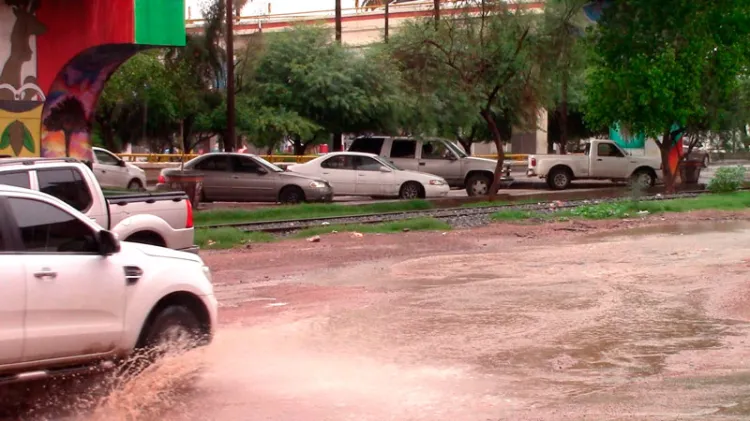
(229, 145)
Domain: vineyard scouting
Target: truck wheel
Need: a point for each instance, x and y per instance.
(410, 190)
(559, 179)
(175, 329)
(643, 178)
(478, 185)
(291, 195)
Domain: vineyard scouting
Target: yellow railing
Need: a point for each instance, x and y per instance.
(164, 157)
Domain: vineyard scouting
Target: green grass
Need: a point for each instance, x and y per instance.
(227, 216)
(226, 238)
(416, 224)
(630, 208)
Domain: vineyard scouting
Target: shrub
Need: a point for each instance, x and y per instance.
(727, 179)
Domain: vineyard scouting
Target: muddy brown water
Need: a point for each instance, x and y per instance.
(632, 326)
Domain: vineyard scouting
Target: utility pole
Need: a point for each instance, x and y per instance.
(229, 142)
(386, 20)
(338, 138)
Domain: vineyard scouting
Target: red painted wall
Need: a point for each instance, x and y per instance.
(75, 25)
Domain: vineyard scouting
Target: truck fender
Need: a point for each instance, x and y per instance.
(143, 224)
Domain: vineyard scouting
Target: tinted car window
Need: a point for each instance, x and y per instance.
(365, 163)
(16, 179)
(67, 185)
(340, 162)
(404, 149)
(244, 165)
(367, 145)
(213, 163)
(48, 229)
(105, 158)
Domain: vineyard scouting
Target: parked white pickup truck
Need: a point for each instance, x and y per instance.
(160, 219)
(602, 160)
(74, 298)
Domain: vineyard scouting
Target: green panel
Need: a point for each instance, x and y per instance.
(160, 22)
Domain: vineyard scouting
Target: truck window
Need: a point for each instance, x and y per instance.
(67, 185)
(48, 229)
(608, 149)
(404, 149)
(435, 150)
(367, 145)
(16, 179)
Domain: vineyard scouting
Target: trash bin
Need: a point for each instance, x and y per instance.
(191, 182)
(690, 171)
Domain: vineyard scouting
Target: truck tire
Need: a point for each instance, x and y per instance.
(410, 190)
(291, 195)
(559, 178)
(643, 178)
(175, 328)
(478, 185)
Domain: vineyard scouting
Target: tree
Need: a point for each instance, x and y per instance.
(660, 65)
(564, 63)
(489, 59)
(303, 74)
(69, 117)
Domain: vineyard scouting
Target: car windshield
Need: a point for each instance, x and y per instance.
(269, 165)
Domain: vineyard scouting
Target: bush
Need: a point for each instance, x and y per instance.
(727, 179)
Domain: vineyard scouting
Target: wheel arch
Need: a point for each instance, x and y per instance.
(472, 173)
(562, 167)
(147, 237)
(422, 190)
(645, 168)
(291, 186)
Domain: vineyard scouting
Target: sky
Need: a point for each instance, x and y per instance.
(256, 7)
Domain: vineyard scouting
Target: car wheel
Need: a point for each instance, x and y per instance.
(135, 185)
(643, 179)
(410, 190)
(291, 195)
(173, 331)
(478, 185)
(559, 178)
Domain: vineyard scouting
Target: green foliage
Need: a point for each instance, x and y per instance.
(727, 179)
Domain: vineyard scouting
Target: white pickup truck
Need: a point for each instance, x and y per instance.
(160, 219)
(602, 160)
(75, 299)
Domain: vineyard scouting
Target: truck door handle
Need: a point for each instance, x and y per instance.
(598, 159)
(236, 177)
(325, 173)
(422, 164)
(45, 273)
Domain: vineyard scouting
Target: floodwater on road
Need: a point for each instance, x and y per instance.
(639, 327)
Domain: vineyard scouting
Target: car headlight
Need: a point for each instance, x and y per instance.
(437, 182)
(207, 274)
(317, 184)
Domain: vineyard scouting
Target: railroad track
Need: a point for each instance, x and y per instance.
(290, 225)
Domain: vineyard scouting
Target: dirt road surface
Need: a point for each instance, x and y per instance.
(569, 321)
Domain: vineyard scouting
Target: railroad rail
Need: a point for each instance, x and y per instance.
(290, 225)
(292, 159)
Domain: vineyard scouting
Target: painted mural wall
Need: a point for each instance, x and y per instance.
(55, 59)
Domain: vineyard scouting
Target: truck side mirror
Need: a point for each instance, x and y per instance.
(108, 243)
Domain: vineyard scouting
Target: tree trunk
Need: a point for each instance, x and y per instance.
(564, 115)
(466, 144)
(437, 12)
(664, 149)
(299, 146)
(487, 116)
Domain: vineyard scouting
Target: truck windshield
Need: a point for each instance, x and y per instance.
(459, 153)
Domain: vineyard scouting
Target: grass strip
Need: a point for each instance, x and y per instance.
(308, 210)
(630, 208)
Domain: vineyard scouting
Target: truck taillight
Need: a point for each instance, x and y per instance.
(533, 162)
(189, 222)
(162, 179)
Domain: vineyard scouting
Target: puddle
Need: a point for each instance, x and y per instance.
(683, 228)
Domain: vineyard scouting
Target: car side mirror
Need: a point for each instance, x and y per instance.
(121, 163)
(108, 243)
(261, 171)
(452, 157)
(385, 169)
